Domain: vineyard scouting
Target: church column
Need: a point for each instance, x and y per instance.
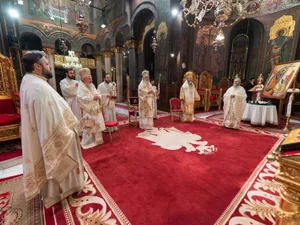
(50, 52)
(131, 45)
(119, 72)
(107, 61)
(99, 67)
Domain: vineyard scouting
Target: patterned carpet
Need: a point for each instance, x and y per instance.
(92, 206)
(254, 202)
(218, 116)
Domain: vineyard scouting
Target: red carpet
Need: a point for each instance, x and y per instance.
(160, 187)
(257, 201)
(92, 206)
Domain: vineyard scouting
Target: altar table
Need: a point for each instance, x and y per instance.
(260, 114)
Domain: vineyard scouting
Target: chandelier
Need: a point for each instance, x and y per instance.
(72, 61)
(154, 43)
(82, 24)
(223, 11)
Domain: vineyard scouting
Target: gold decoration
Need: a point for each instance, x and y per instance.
(285, 24)
(130, 43)
(9, 132)
(288, 175)
(162, 28)
(147, 29)
(85, 62)
(206, 80)
(117, 50)
(8, 81)
(98, 57)
(260, 81)
(59, 60)
(107, 54)
(49, 51)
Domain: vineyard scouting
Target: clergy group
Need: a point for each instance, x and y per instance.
(56, 128)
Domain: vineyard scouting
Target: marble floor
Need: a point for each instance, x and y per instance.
(11, 167)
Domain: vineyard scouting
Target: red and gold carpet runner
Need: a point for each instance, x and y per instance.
(156, 185)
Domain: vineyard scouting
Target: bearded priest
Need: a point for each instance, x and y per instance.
(188, 96)
(146, 102)
(234, 105)
(52, 160)
(92, 122)
(68, 87)
(108, 99)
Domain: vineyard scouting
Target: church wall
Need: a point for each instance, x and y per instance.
(205, 58)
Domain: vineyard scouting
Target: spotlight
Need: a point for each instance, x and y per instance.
(13, 13)
(20, 2)
(172, 55)
(174, 12)
(103, 25)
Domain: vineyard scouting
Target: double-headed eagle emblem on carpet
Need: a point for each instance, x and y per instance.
(174, 139)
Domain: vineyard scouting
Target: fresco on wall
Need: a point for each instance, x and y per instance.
(162, 50)
(56, 10)
(280, 41)
(277, 5)
(208, 53)
(273, 5)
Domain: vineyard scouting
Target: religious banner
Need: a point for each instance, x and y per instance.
(280, 80)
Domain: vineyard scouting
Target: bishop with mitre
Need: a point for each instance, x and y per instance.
(188, 96)
(92, 122)
(146, 102)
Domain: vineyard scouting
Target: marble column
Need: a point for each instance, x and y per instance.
(99, 67)
(50, 52)
(107, 61)
(119, 72)
(131, 45)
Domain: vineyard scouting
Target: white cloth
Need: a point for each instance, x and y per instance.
(188, 94)
(234, 106)
(92, 122)
(69, 90)
(108, 103)
(261, 114)
(146, 105)
(52, 161)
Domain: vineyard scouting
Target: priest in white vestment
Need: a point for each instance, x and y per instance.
(155, 99)
(188, 96)
(146, 102)
(52, 160)
(92, 122)
(68, 87)
(234, 105)
(108, 92)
